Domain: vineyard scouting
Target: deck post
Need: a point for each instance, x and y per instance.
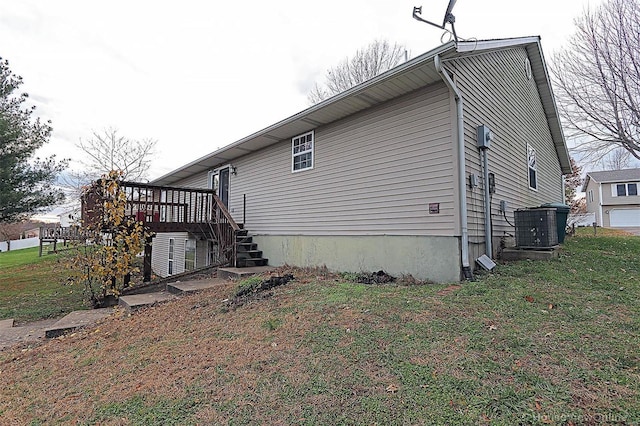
(147, 260)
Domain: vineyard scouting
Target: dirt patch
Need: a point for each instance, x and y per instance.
(446, 291)
(380, 277)
(257, 290)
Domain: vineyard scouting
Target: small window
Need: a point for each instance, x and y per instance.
(302, 152)
(624, 189)
(189, 255)
(172, 243)
(533, 167)
(591, 195)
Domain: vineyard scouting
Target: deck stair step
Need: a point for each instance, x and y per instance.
(193, 286)
(251, 261)
(249, 254)
(137, 301)
(244, 247)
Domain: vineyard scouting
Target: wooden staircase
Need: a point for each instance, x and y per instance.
(247, 253)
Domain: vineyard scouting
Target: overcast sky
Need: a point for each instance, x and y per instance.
(198, 75)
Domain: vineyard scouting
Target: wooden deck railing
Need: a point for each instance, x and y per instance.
(174, 209)
(227, 229)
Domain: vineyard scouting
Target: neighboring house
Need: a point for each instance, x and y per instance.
(69, 217)
(386, 175)
(31, 233)
(614, 197)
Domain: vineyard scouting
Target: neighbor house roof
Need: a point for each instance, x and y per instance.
(407, 77)
(608, 176)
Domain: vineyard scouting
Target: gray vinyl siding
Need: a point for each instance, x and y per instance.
(374, 173)
(199, 180)
(160, 253)
(498, 93)
(609, 199)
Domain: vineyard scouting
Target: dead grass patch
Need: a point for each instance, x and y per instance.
(325, 351)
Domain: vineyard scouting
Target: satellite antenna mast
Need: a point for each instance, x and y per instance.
(448, 18)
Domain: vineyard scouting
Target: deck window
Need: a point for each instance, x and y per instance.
(533, 167)
(624, 189)
(302, 152)
(189, 255)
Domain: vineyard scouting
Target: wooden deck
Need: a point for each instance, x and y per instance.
(170, 209)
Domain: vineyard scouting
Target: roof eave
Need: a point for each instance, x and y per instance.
(324, 105)
(549, 105)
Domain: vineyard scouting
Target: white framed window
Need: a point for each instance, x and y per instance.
(302, 152)
(624, 189)
(533, 167)
(189, 255)
(590, 197)
(172, 245)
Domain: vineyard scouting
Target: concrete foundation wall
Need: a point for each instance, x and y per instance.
(433, 258)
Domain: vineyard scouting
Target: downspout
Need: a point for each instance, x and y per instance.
(462, 186)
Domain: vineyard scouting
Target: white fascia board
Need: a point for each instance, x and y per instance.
(471, 46)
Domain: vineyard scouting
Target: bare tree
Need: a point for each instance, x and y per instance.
(108, 151)
(597, 79)
(617, 159)
(367, 63)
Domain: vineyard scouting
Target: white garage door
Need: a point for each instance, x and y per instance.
(625, 217)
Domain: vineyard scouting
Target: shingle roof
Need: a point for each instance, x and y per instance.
(615, 175)
(612, 176)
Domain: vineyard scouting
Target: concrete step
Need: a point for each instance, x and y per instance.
(75, 320)
(137, 301)
(27, 333)
(243, 239)
(242, 232)
(192, 286)
(242, 273)
(6, 323)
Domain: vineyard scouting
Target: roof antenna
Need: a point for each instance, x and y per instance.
(448, 18)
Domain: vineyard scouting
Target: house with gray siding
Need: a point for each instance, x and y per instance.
(614, 197)
(389, 175)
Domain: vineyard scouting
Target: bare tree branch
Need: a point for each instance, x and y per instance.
(597, 80)
(367, 63)
(108, 151)
(618, 159)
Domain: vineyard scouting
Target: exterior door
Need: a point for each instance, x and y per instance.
(220, 184)
(223, 192)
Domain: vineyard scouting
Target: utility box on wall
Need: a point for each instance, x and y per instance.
(536, 228)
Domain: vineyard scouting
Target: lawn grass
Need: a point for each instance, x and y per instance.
(554, 342)
(33, 288)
